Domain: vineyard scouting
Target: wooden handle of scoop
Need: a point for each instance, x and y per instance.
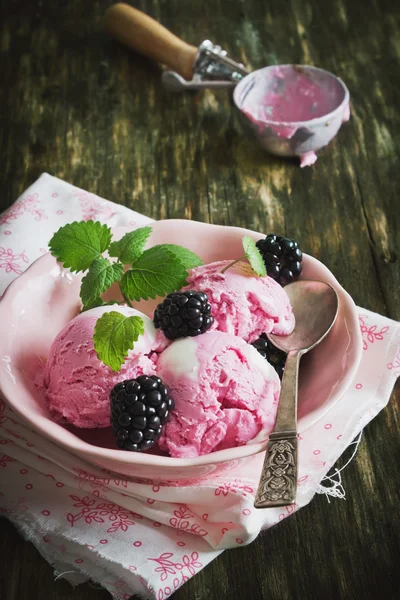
(143, 34)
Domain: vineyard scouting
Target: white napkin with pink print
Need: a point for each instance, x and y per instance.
(140, 536)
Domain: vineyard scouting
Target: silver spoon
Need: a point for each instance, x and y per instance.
(315, 306)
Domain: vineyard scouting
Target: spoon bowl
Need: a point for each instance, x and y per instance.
(312, 324)
(315, 305)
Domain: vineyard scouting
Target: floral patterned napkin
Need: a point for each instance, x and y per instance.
(142, 536)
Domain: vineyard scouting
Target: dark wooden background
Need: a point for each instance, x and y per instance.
(80, 107)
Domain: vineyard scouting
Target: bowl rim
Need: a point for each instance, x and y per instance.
(296, 124)
(116, 456)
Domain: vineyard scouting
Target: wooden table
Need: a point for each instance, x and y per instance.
(80, 107)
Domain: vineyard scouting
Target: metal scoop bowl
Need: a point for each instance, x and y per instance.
(293, 110)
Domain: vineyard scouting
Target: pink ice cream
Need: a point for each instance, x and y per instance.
(225, 394)
(243, 304)
(76, 384)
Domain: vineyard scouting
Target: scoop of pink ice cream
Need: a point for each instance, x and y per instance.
(76, 384)
(242, 303)
(225, 394)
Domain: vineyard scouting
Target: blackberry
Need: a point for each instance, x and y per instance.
(183, 314)
(139, 409)
(271, 353)
(282, 257)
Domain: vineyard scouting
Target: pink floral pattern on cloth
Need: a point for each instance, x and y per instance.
(11, 262)
(30, 204)
(395, 365)
(141, 536)
(93, 511)
(181, 520)
(176, 570)
(371, 332)
(94, 208)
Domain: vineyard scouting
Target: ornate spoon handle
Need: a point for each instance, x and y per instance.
(278, 482)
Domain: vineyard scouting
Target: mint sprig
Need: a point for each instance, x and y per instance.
(157, 271)
(189, 259)
(95, 303)
(114, 335)
(130, 247)
(101, 275)
(77, 244)
(253, 255)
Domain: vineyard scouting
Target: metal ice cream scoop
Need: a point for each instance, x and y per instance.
(293, 110)
(315, 306)
(207, 66)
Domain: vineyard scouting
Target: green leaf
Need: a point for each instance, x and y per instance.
(101, 275)
(254, 257)
(189, 259)
(77, 244)
(156, 273)
(93, 304)
(130, 247)
(114, 335)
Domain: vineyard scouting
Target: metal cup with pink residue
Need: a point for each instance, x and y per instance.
(293, 110)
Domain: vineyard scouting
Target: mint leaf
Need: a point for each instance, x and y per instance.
(189, 259)
(156, 273)
(114, 335)
(101, 275)
(130, 247)
(254, 257)
(77, 244)
(93, 304)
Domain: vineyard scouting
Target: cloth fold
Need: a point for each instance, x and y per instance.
(142, 536)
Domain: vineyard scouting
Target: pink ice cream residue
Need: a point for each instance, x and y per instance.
(293, 102)
(76, 384)
(243, 304)
(225, 394)
(308, 159)
(288, 95)
(294, 96)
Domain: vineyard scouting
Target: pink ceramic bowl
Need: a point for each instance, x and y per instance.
(39, 303)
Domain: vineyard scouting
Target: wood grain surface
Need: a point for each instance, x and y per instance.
(81, 107)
